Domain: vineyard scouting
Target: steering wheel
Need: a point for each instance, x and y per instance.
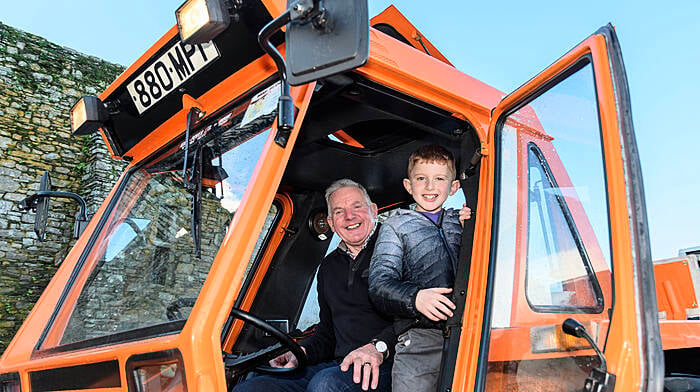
(258, 359)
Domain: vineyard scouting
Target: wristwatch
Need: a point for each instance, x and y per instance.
(381, 346)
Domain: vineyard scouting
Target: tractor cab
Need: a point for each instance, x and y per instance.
(200, 265)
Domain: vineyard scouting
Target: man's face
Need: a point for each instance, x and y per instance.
(351, 218)
(430, 183)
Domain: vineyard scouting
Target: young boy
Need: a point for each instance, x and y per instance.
(413, 268)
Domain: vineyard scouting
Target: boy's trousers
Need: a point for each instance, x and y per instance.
(417, 361)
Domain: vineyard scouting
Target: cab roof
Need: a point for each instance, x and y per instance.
(238, 45)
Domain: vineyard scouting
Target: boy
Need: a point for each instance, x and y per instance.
(413, 266)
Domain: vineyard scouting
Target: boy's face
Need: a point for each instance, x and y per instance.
(430, 183)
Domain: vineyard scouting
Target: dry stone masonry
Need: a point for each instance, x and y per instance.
(39, 82)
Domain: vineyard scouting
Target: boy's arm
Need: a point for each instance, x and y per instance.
(389, 293)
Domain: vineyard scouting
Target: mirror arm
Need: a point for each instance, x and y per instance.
(304, 11)
(285, 114)
(599, 380)
(30, 203)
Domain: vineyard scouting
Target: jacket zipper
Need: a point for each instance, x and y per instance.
(441, 233)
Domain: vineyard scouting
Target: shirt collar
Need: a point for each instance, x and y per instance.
(343, 247)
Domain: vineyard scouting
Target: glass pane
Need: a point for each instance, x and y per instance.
(557, 276)
(162, 377)
(552, 256)
(145, 271)
(310, 313)
(262, 238)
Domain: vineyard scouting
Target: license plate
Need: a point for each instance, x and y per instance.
(169, 71)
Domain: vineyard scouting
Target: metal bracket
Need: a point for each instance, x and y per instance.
(303, 11)
(599, 381)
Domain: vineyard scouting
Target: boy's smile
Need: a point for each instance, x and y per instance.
(430, 183)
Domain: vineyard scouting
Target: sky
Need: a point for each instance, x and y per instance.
(502, 43)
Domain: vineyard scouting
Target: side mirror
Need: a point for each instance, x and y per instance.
(336, 40)
(323, 38)
(39, 203)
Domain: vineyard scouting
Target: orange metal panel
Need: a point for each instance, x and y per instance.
(401, 67)
(674, 289)
(347, 139)
(503, 348)
(393, 17)
(679, 334)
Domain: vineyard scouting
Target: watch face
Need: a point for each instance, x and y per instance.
(381, 346)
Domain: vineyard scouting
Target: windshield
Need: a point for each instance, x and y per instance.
(145, 271)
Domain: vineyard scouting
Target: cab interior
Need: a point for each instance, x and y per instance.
(358, 129)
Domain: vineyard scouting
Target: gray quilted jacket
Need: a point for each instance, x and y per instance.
(410, 255)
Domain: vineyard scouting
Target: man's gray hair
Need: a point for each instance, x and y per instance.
(342, 183)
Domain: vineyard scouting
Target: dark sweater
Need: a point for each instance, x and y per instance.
(348, 319)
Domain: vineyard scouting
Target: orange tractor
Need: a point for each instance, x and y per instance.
(199, 266)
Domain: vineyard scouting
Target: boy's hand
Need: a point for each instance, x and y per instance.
(464, 214)
(433, 304)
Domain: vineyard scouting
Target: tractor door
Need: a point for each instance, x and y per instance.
(569, 234)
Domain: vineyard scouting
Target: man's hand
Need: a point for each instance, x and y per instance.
(464, 214)
(365, 361)
(286, 360)
(434, 304)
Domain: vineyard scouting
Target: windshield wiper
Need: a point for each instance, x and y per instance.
(194, 187)
(193, 183)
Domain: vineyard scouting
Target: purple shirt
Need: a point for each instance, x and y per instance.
(433, 216)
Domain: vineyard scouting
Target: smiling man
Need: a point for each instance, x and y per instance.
(350, 347)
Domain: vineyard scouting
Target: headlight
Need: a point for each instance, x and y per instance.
(10, 383)
(201, 20)
(87, 115)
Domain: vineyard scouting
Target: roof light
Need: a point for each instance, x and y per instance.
(201, 20)
(87, 115)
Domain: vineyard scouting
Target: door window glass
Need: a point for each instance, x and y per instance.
(558, 272)
(552, 239)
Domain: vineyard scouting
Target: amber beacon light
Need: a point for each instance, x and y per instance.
(87, 115)
(201, 20)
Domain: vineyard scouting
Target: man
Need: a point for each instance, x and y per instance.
(349, 349)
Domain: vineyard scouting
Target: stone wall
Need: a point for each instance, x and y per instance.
(39, 82)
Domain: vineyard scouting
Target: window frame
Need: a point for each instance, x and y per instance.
(576, 236)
